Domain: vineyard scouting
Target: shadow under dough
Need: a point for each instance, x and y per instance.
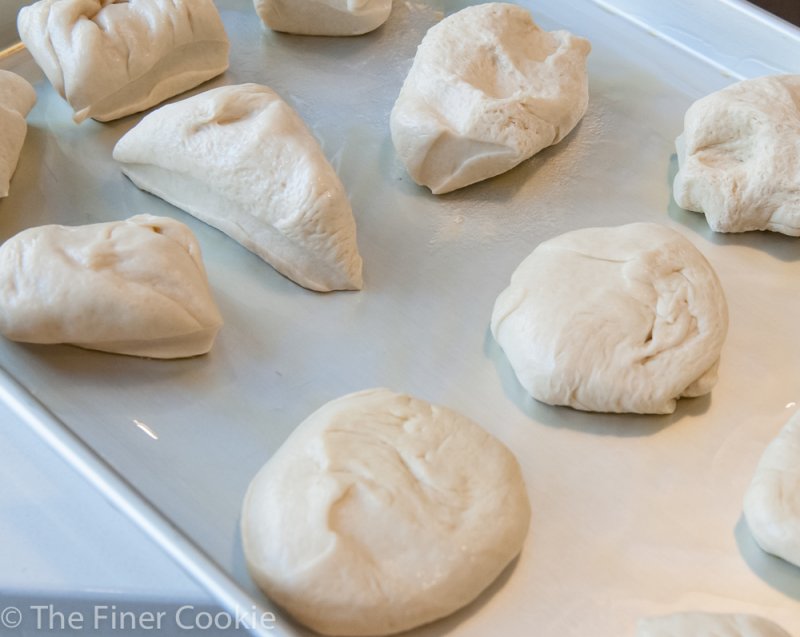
(777, 573)
(780, 246)
(601, 424)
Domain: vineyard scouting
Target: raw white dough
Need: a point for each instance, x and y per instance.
(17, 98)
(240, 159)
(111, 58)
(382, 512)
(739, 157)
(133, 287)
(622, 319)
(488, 89)
(708, 625)
(324, 17)
(772, 503)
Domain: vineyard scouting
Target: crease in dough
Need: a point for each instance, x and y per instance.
(487, 90)
(111, 58)
(17, 98)
(739, 157)
(623, 319)
(772, 501)
(323, 17)
(240, 159)
(382, 512)
(135, 287)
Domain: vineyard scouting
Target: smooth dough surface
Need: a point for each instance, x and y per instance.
(240, 159)
(382, 512)
(111, 58)
(487, 90)
(708, 625)
(134, 287)
(17, 98)
(739, 157)
(324, 17)
(620, 319)
(772, 502)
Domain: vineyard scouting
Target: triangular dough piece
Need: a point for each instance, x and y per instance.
(240, 159)
(323, 17)
(134, 287)
(772, 503)
(111, 58)
(696, 624)
(17, 98)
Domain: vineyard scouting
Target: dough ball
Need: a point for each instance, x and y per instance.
(624, 319)
(708, 625)
(240, 159)
(739, 157)
(382, 512)
(772, 502)
(111, 58)
(488, 89)
(133, 287)
(17, 98)
(324, 17)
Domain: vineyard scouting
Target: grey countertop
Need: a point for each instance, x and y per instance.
(8, 21)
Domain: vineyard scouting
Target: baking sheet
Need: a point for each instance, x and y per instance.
(631, 515)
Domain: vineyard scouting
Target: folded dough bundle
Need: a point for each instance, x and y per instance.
(698, 624)
(111, 58)
(134, 287)
(382, 512)
(624, 319)
(772, 502)
(739, 156)
(241, 159)
(488, 89)
(324, 17)
(17, 98)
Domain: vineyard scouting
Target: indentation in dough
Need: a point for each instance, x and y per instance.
(487, 90)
